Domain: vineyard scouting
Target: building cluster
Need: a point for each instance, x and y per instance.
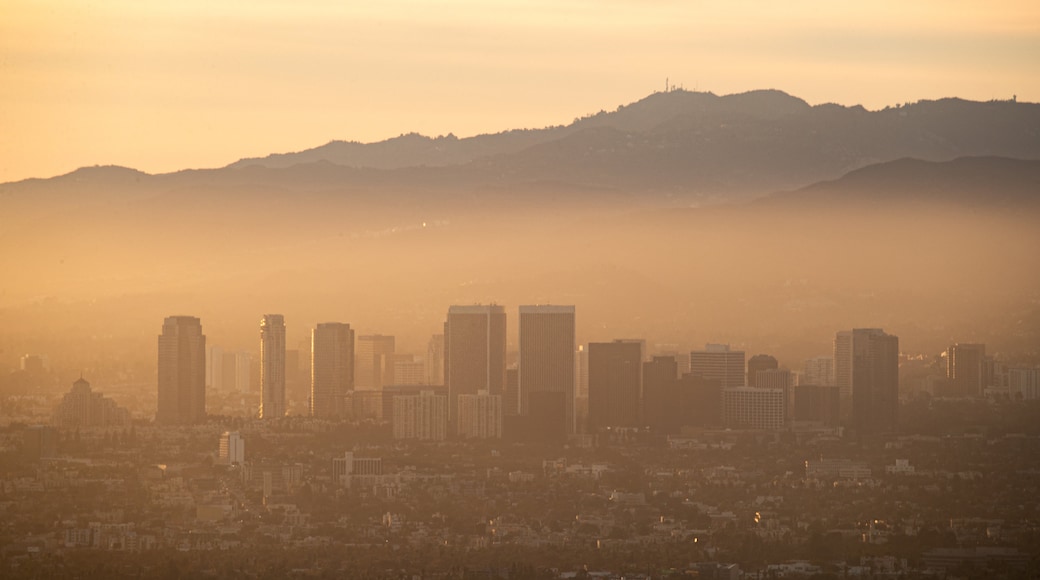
(466, 386)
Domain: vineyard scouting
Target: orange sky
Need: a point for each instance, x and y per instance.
(161, 86)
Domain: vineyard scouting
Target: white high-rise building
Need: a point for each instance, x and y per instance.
(232, 448)
(272, 366)
(182, 371)
(214, 369)
(423, 416)
(332, 369)
(480, 416)
(546, 365)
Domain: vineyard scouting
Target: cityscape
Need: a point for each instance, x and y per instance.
(559, 459)
(459, 290)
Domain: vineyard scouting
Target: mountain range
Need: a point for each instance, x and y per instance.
(689, 148)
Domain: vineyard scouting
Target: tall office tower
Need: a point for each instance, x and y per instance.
(777, 379)
(753, 408)
(1023, 383)
(615, 384)
(332, 369)
(875, 380)
(843, 364)
(475, 352)
(717, 361)
(700, 401)
(661, 394)
(818, 371)
(511, 393)
(272, 366)
(965, 367)
(236, 369)
(817, 404)
(409, 370)
(423, 416)
(480, 416)
(581, 387)
(435, 360)
(546, 366)
(374, 363)
(759, 362)
(182, 371)
(214, 369)
(232, 450)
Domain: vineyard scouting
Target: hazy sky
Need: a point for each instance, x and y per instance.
(164, 85)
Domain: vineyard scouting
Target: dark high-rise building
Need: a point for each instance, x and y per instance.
(332, 369)
(511, 393)
(875, 380)
(615, 384)
(717, 361)
(661, 394)
(546, 364)
(759, 362)
(475, 352)
(700, 401)
(817, 404)
(966, 368)
(182, 371)
(272, 366)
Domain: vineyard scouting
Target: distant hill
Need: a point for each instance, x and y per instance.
(983, 181)
(700, 145)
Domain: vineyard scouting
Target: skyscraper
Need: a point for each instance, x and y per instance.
(546, 365)
(272, 366)
(615, 384)
(875, 380)
(475, 352)
(717, 361)
(759, 362)
(661, 394)
(374, 362)
(182, 371)
(965, 367)
(818, 371)
(843, 364)
(332, 369)
(435, 360)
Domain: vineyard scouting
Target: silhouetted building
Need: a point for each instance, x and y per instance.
(717, 361)
(843, 365)
(480, 416)
(272, 366)
(511, 394)
(615, 384)
(375, 362)
(759, 362)
(332, 369)
(700, 402)
(875, 380)
(753, 408)
(475, 352)
(966, 368)
(817, 404)
(546, 364)
(661, 410)
(182, 371)
(81, 407)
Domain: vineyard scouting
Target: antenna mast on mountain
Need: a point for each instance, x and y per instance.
(666, 84)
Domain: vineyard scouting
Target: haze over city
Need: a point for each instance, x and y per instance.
(519, 290)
